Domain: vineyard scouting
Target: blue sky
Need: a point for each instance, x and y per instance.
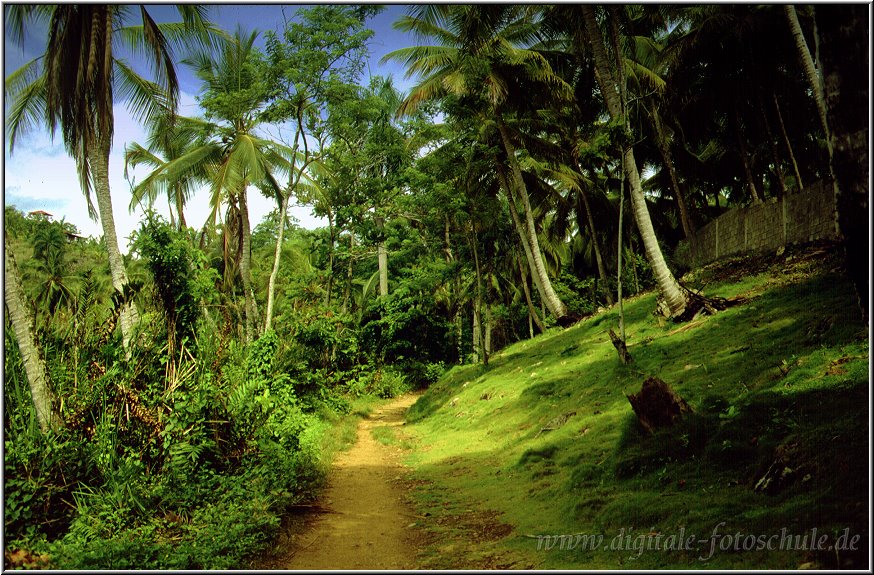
(40, 175)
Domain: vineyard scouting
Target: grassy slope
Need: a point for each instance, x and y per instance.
(486, 480)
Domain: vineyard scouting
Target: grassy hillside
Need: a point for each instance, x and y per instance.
(779, 383)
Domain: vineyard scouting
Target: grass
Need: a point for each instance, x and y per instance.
(780, 380)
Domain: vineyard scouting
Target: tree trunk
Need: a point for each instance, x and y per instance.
(99, 159)
(602, 271)
(532, 313)
(664, 147)
(476, 332)
(668, 285)
(382, 257)
(347, 290)
(271, 284)
(520, 229)
(555, 305)
(619, 261)
(807, 64)
(845, 64)
(459, 336)
(478, 336)
(22, 325)
(487, 338)
(772, 144)
(798, 181)
(744, 158)
(246, 269)
(180, 208)
(329, 289)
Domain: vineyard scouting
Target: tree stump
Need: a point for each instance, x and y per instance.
(657, 405)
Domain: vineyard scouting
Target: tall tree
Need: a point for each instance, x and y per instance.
(170, 137)
(845, 33)
(22, 324)
(322, 49)
(74, 85)
(609, 76)
(235, 156)
(806, 58)
(481, 55)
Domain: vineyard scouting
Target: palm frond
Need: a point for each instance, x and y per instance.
(27, 91)
(146, 100)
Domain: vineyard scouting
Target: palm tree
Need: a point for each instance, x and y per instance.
(73, 85)
(611, 80)
(478, 56)
(845, 62)
(814, 77)
(230, 155)
(22, 324)
(170, 137)
(49, 244)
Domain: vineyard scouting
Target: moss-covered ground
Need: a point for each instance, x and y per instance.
(779, 386)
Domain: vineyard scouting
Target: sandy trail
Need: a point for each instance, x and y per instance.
(364, 523)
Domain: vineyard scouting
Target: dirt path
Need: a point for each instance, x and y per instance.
(364, 520)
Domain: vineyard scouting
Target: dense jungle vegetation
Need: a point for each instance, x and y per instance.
(163, 407)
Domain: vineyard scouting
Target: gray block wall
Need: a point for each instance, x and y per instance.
(797, 218)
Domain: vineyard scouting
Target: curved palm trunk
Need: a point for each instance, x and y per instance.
(553, 302)
(180, 208)
(668, 285)
(246, 269)
(99, 158)
(271, 284)
(807, 63)
(520, 229)
(22, 325)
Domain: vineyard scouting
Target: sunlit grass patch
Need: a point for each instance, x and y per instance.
(779, 380)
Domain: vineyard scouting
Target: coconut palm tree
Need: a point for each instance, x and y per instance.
(229, 154)
(77, 80)
(170, 137)
(814, 77)
(610, 78)
(480, 55)
(22, 324)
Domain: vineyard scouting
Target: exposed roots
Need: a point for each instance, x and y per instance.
(698, 305)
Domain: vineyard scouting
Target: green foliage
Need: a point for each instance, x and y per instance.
(402, 327)
(581, 296)
(178, 280)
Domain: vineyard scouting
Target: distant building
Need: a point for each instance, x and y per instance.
(41, 214)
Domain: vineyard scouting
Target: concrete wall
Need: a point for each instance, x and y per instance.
(796, 218)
